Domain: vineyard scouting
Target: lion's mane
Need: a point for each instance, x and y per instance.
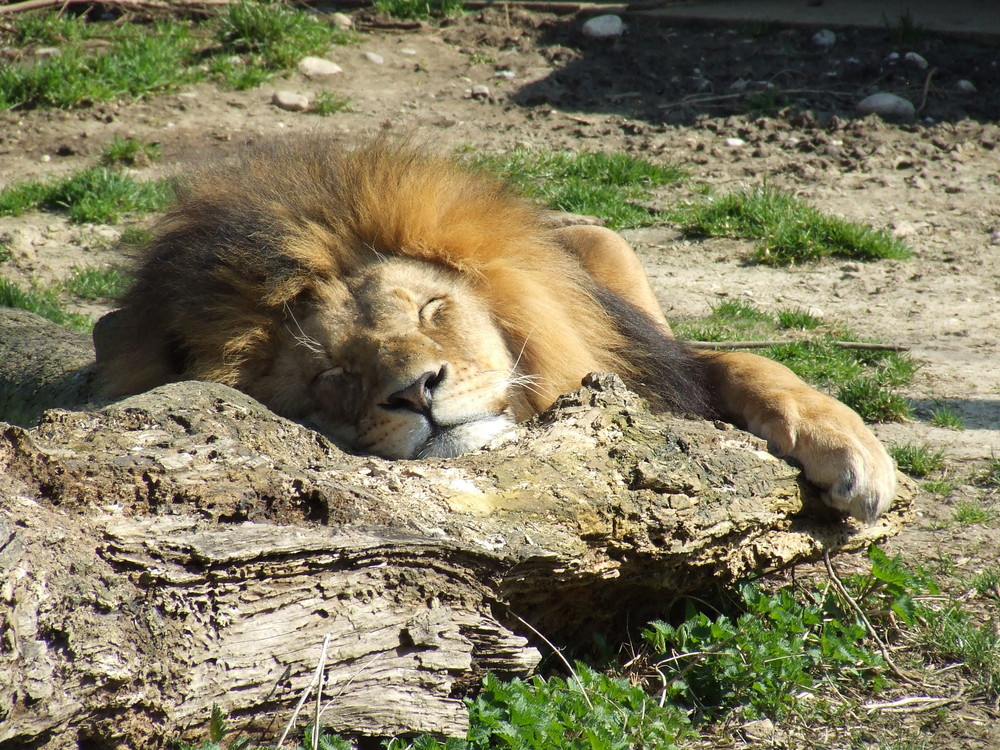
(247, 238)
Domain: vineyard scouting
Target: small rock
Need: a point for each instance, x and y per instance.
(995, 238)
(479, 91)
(341, 20)
(47, 52)
(892, 57)
(317, 67)
(965, 86)
(407, 51)
(824, 38)
(507, 74)
(902, 229)
(917, 61)
(735, 142)
(850, 268)
(604, 27)
(816, 312)
(373, 57)
(290, 100)
(46, 158)
(887, 106)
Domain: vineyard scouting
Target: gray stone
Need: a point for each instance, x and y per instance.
(317, 67)
(373, 57)
(290, 100)
(887, 106)
(604, 27)
(824, 38)
(341, 20)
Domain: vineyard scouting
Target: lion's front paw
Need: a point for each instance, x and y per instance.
(841, 456)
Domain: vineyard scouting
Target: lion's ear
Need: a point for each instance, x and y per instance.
(132, 355)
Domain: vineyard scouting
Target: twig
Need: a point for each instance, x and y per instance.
(572, 672)
(913, 703)
(842, 590)
(764, 344)
(709, 99)
(316, 680)
(927, 86)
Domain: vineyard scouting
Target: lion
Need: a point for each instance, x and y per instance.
(408, 305)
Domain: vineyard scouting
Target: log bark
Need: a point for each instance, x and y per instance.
(187, 547)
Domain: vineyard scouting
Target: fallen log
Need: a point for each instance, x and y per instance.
(186, 547)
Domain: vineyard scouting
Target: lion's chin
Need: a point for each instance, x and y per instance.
(454, 440)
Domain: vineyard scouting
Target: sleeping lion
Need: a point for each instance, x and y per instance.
(409, 306)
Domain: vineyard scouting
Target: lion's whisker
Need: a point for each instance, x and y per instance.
(302, 338)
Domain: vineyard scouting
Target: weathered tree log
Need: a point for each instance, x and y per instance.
(187, 547)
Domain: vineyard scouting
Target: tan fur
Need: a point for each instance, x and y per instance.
(409, 306)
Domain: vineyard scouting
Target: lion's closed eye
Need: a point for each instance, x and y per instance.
(430, 310)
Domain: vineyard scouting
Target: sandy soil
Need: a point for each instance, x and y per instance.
(677, 94)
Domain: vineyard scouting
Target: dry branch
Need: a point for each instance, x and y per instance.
(186, 547)
(765, 344)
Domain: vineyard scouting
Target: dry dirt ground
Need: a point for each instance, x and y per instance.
(680, 94)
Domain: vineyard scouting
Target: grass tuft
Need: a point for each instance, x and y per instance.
(327, 103)
(917, 460)
(44, 302)
(420, 9)
(946, 417)
(788, 230)
(969, 512)
(96, 194)
(96, 283)
(608, 185)
(128, 152)
(864, 379)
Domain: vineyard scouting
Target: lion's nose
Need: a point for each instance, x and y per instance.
(419, 395)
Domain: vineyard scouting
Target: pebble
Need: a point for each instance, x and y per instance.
(965, 86)
(824, 38)
(479, 91)
(317, 67)
(290, 100)
(373, 57)
(604, 27)
(917, 61)
(47, 52)
(892, 57)
(341, 20)
(995, 238)
(735, 142)
(407, 51)
(759, 730)
(508, 74)
(887, 106)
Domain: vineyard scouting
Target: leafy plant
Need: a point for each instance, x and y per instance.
(327, 103)
(609, 185)
(789, 231)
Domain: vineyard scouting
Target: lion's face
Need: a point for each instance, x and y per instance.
(400, 359)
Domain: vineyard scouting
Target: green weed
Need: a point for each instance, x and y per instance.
(970, 512)
(609, 185)
(44, 302)
(918, 460)
(987, 583)
(940, 487)
(96, 283)
(955, 636)
(327, 103)
(788, 230)
(420, 9)
(904, 30)
(990, 476)
(798, 320)
(96, 194)
(5, 245)
(945, 416)
(129, 152)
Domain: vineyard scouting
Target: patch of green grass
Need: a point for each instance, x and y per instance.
(608, 185)
(788, 230)
(254, 40)
(990, 476)
(327, 103)
(947, 417)
(970, 512)
(129, 152)
(917, 459)
(96, 194)
(44, 302)
(274, 36)
(940, 487)
(5, 245)
(420, 9)
(864, 379)
(96, 283)
(904, 30)
(987, 583)
(953, 635)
